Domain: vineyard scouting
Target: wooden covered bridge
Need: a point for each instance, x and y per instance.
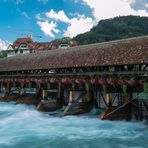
(105, 75)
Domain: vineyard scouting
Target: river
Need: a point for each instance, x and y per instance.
(22, 126)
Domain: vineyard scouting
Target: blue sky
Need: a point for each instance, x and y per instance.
(58, 18)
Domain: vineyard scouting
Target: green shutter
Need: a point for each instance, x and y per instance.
(146, 87)
(87, 86)
(14, 84)
(104, 88)
(48, 86)
(73, 86)
(30, 85)
(124, 87)
(22, 85)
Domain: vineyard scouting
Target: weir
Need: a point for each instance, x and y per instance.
(106, 76)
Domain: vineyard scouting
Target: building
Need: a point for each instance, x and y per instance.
(27, 46)
(20, 46)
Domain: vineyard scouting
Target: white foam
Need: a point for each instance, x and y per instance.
(23, 124)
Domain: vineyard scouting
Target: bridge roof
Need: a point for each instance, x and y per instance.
(127, 51)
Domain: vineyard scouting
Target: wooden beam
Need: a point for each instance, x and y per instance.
(74, 74)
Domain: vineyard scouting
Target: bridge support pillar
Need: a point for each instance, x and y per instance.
(71, 96)
(109, 99)
(44, 94)
(7, 89)
(39, 90)
(21, 92)
(127, 97)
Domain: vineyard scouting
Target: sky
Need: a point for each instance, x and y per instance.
(59, 18)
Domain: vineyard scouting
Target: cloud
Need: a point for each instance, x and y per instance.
(49, 29)
(58, 16)
(76, 1)
(23, 13)
(43, 1)
(104, 9)
(3, 44)
(38, 17)
(75, 24)
(78, 25)
(146, 5)
(19, 2)
(131, 1)
(75, 14)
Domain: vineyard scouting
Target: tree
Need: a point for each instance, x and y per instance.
(114, 29)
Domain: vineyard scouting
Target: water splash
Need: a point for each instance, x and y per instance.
(23, 126)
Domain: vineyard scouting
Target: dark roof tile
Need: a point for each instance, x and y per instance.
(127, 51)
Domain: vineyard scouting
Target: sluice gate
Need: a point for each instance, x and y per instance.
(112, 77)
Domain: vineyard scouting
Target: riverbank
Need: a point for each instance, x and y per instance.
(23, 126)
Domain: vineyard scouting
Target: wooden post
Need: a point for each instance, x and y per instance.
(109, 99)
(73, 91)
(44, 94)
(71, 96)
(1, 87)
(128, 110)
(95, 97)
(99, 100)
(21, 92)
(39, 91)
(105, 87)
(87, 88)
(7, 89)
(127, 97)
(59, 90)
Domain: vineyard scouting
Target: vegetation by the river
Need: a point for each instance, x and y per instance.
(3, 54)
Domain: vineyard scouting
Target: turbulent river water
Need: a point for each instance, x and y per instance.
(22, 126)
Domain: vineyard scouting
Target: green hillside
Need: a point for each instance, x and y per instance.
(113, 29)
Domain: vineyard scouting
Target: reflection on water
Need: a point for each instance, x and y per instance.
(23, 126)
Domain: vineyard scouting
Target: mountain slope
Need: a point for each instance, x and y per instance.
(113, 29)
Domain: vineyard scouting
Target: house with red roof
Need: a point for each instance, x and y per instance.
(27, 46)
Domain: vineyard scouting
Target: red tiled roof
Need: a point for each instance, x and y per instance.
(128, 51)
(20, 41)
(40, 46)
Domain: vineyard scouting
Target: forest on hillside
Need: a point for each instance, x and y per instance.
(114, 29)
